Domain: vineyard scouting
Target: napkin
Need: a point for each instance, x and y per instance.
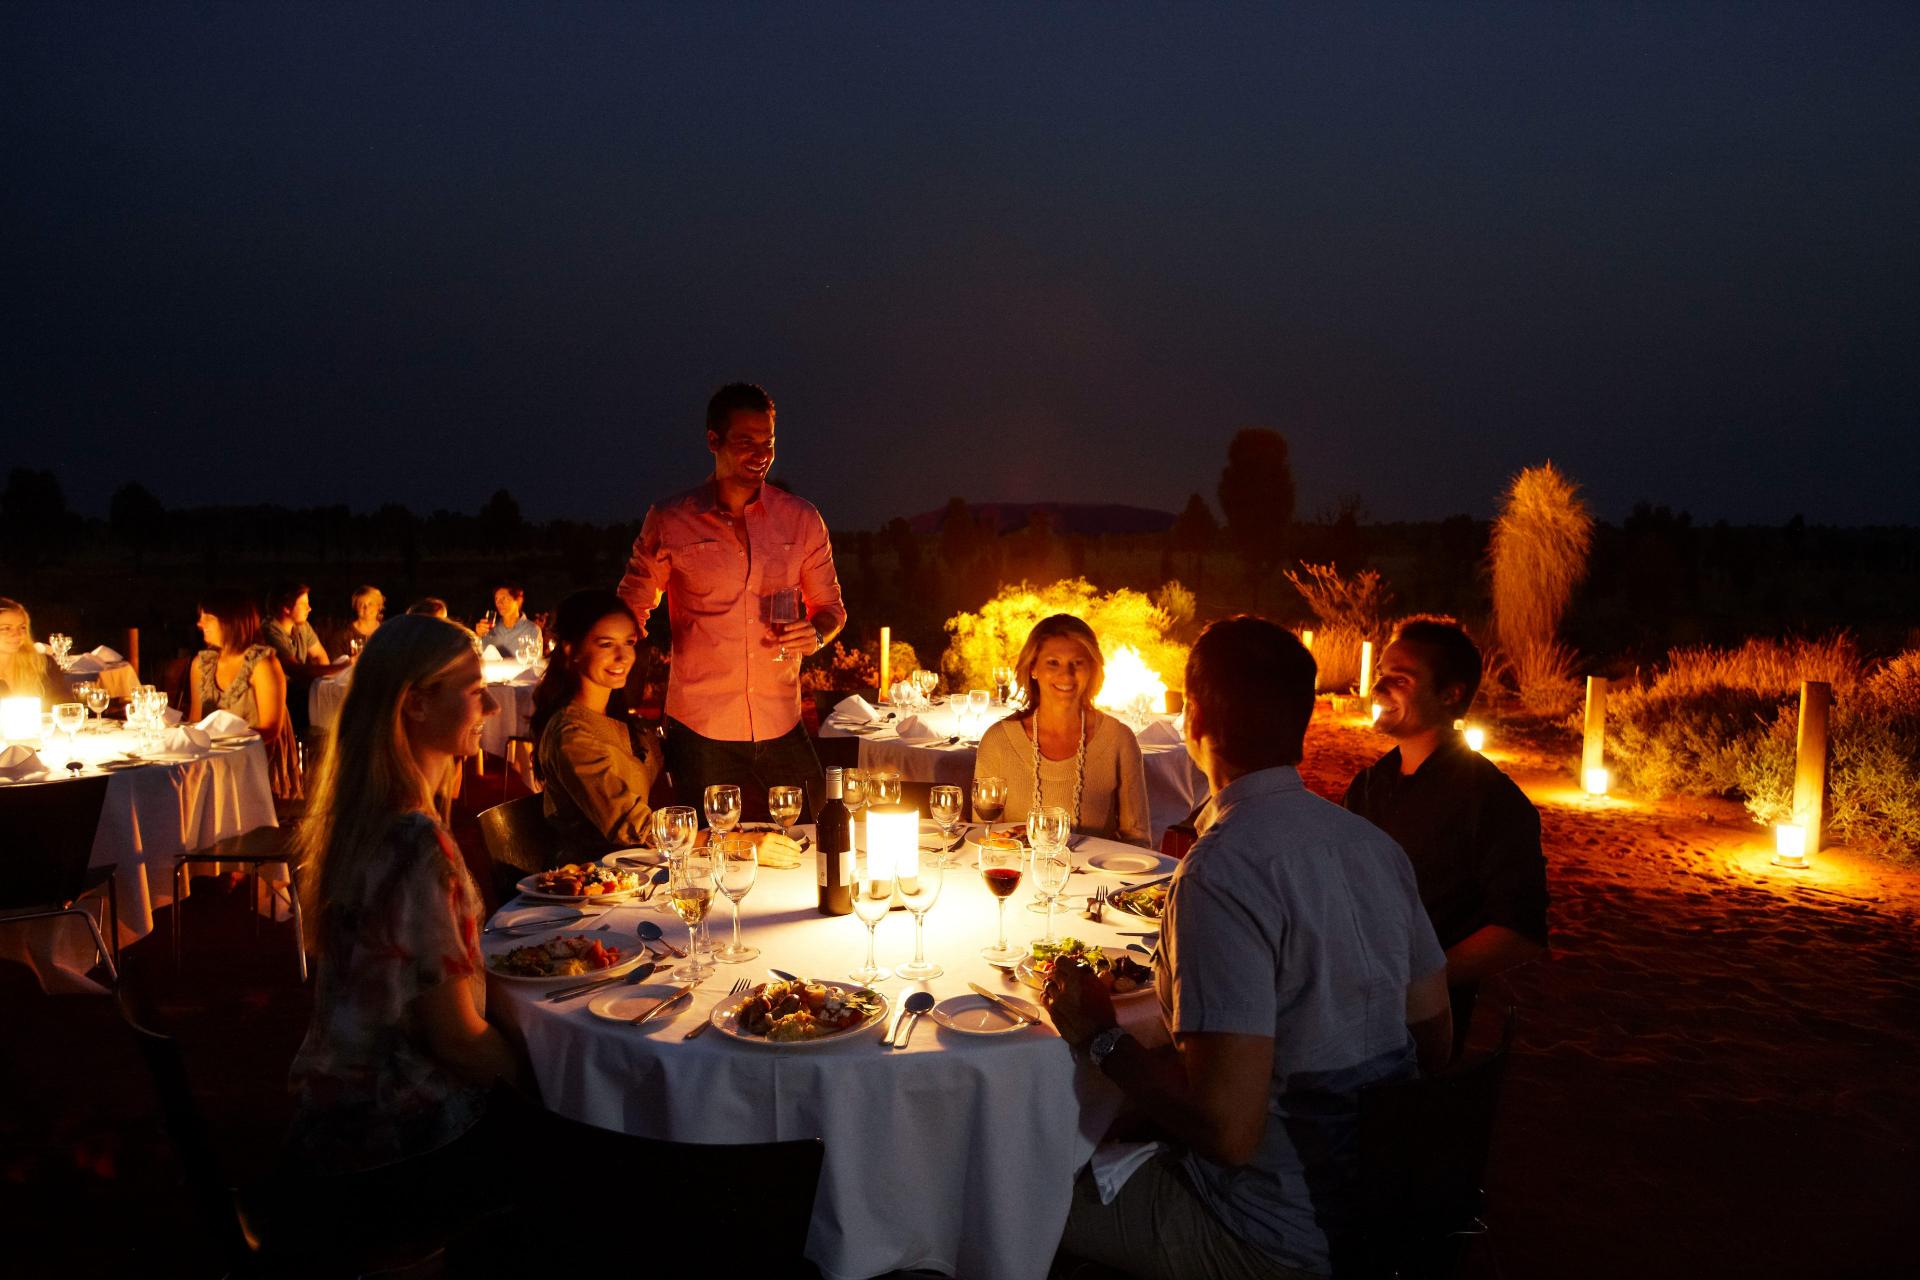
(855, 708)
(18, 762)
(1114, 1162)
(489, 654)
(173, 717)
(188, 740)
(1160, 733)
(107, 656)
(222, 724)
(85, 664)
(914, 729)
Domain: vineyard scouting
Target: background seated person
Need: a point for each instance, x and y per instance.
(1297, 968)
(429, 607)
(1061, 750)
(512, 627)
(598, 774)
(238, 673)
(369, 607)
(288, 630)
(25, 672)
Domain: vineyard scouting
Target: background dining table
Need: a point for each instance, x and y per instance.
(154, 811)
(512, 684)
(955, 1154)
(939, 743)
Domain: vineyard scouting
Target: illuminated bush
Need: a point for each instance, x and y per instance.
(1539, 554)
(1347, 611)
(993, 636)
(857, 668)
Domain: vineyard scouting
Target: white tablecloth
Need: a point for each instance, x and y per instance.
(511, 684)
(957, 1154)
(151, 815)
(1174, 784)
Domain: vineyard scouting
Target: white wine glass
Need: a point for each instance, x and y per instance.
(690, 894)
(736, 864)
(675, 828)
(785, 803)
(872, 899)
(919, 891)
(723, 807)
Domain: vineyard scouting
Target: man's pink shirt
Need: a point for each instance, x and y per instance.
(724, 682)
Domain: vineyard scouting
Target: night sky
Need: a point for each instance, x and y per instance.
(408, 252)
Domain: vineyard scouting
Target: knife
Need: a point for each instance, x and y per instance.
(547, 922)
(781, 975)
(638, 976)
(979, 990)
(673, 999)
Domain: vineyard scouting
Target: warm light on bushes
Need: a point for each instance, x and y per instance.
(1476, 737)
(1131, 684)
(1596, 781)
(1789, 845)
(1122, 619)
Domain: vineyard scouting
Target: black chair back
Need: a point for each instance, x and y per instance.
(519, 842)
(46, 839)
(1423, 1162)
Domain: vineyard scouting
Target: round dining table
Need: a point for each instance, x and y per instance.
(511, 683)
(157, 807)
(939, 743)
(955, 1153)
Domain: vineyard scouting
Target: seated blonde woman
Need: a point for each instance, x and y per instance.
(237, 672)
(597, 779)
(25, 672)
(1062, 751)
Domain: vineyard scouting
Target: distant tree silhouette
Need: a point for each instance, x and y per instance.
(501, 515)
(958, 536)
(1256, 494)
(905, 546)
(33, 515)
(1193, 534)
(135, 520)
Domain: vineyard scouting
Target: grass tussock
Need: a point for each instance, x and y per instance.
(1538, 556)
(1346, 611)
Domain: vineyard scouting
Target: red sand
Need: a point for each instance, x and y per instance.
(1714, 1074)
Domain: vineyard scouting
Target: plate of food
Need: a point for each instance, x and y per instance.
(1124, 976)
(975, 1015)
(800, 1013)
(573, 955)
(1147, 902)
(581, 882)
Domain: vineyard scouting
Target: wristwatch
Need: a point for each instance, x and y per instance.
(1103, 1044)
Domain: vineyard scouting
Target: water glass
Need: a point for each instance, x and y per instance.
(853, 789)
(919, 892)
(99, 698)
(872, 899)
(690, 896)
(979, 703)
(723, 807)
(785, 803)
(1051, 868)
(943, 806)
(883, 786)
(736, 865)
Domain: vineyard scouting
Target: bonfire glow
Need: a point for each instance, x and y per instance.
(1131, 685)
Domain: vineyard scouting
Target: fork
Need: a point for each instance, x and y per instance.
(739, 989)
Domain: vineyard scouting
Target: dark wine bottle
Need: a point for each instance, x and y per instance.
(833, 851)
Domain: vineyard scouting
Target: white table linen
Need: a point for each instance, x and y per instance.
(511, 684)
(956, 1154)
(151, 815)
(1175, 786)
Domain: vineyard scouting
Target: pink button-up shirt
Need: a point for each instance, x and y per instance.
(716, 572)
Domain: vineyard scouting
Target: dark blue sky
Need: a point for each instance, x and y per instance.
(412, 252)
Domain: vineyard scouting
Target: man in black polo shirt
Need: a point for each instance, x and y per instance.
(1472, 835)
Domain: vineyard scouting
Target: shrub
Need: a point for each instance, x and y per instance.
(1336, 652)
(1357, 604)
(993, 636)
(1539, 554)
(1542, 672)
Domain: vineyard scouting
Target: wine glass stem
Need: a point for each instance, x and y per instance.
(735, 948)
(873, 928)
(693, 945)
(1049, 917)
(919, 940)
(1002, 904)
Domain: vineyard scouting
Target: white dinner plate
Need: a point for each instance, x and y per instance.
(1023, 970)
(725, 1020)
(528, 890)
(1129, 862)
(973, 1015)
(639, 952)
(624, 1003)
(628, 859)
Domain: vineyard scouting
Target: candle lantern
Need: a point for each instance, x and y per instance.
(1790, 845)
(20, 718)
(1476, 737)
(886, 660)
(1366, 667)
(1596, 780)
(1306, 639)
(893, 840)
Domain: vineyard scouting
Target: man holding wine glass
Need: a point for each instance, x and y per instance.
(747, 572)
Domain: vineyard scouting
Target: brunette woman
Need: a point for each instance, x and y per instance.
(237, 672)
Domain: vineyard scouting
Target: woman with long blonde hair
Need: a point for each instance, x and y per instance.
(399, 1057)
(25, 672)
(1062, 751)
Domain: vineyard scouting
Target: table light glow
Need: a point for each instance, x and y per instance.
(1789, 845)
(1596, 781)
(893, 841)
(1476, 737)
(1306, 639)
(20, 718)
(1366, 667)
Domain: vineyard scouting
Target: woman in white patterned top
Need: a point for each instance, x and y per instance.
(239, 673)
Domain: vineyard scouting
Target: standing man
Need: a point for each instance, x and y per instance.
(1297, 968)
(719, 553)
(1472, 835)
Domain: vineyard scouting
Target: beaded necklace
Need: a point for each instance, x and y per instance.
(1079, 764)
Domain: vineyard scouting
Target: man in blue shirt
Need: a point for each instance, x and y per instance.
(513, 626)
(1298, 967)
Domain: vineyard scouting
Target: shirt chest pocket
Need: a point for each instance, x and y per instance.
(708, 575)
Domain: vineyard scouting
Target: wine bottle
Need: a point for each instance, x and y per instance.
(833, 851)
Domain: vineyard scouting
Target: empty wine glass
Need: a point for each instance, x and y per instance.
(919, 891)
(675, 828)
(784, 608)
(853, 789)
(1002, 684)
(723, 807)
(690, 895)
(68, 717)
(943, 806)
(1000, 868)
(1052, 864)
(736, 864)
(989, 800)
(927, 680)
(979, 703)
(99, 698)
(883, 787)
(872, 899)
(785, 803)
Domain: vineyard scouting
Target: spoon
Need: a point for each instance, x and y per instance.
(916, 1004)
(650, 933)
(654, 881)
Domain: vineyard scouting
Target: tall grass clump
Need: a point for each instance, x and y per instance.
(1538, 556)
(1347, 611)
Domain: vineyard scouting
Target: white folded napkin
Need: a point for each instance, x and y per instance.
(107, 656)
(186, 740)
(85, 664)
(489, 654)
(18, 762)
(914, 729)
(1160, 733)
(855, 708)
(1114, 1162)
(173, 717)
(221, 724)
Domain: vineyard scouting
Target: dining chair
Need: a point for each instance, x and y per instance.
(519, 842)
(256, 849)
(1423, 1151)
(46, 840)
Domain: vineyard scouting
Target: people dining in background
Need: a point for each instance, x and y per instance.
(369, 607)
(236, 672)
(429, 607)
(508, 628)
(1061, 750)
(1297, 967)
(25, 672)
(288, 630)
(598, 773)
(1471, 833)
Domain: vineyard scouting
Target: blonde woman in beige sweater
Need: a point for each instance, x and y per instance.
(1062, 750)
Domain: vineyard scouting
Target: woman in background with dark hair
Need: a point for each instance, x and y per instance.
(598, 774)
(238, 673)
